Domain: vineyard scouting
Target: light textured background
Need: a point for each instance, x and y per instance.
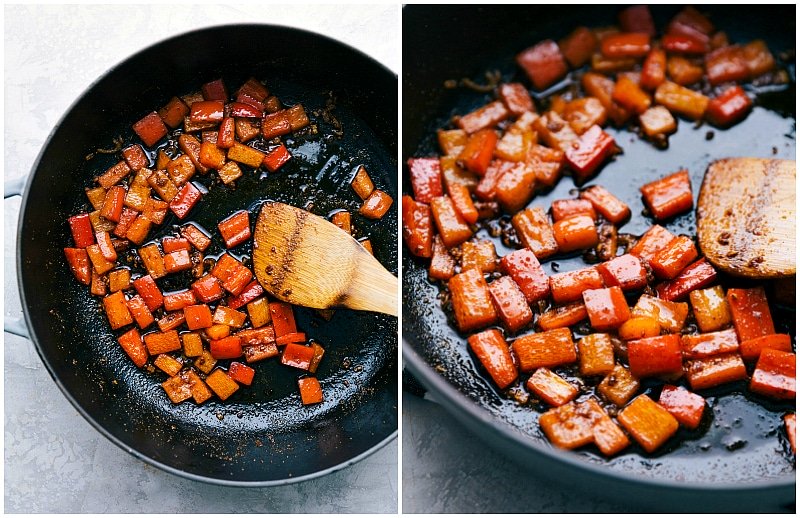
(54, 460)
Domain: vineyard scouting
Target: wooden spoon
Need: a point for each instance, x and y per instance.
(746, 217)
(303, 259)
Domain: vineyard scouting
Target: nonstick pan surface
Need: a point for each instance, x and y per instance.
(737, 459)
(262, 435)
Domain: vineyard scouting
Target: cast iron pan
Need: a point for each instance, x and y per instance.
(736, 460)
(262, 435)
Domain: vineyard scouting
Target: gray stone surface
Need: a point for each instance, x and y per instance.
(54, 460)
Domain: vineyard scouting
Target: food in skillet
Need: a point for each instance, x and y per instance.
(223, 314)
(644, 310)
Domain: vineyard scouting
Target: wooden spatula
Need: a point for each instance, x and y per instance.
(305, 260)
(746, 217)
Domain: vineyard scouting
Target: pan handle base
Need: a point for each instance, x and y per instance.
(16, 326)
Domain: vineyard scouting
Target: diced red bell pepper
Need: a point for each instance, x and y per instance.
(750, 311)
(250, 292)
(726, 65)
(150, 129)
(196, 237)
(227, 133)
(516, 186)
(442, 265)
(690, 18)
(460, 195)
(626, 45)
(82, 231)
(790, 422)
(239, 109)
(376, 205)
(715, 370)
(226, 348)
(563, 316)
(493, 353)
(147, 289)
(546, 349)
(310, 391)
(656, 356)
(561, 209)
(751, 349)
(185, 200)
(78, 261)
(477, 153)
(535, 232)
(208, 288)
(669, 196)
(687, 407)
(298, 356)
(654, 69)
(254, 89)
(625, 271)
(275, 124)
(207, 111)
(516, 98)
(135, 157)
(543, 63)
(197, 316)
(485, 117)
(775, 375)
(291, 338)
(758, 58)
(729, 107)
(215, 91)
(578, 46)
(569, 286)
(683, 44)
(695, 276)
(276, 158)
(177, 261)
(606, 307)
(235, 229)
(655, 239)
(472, 303)
(485, 190)
(451, 226)
(126, 219)
(608, 205)
(174, 112)
(417, 227)
(550, 387)
(637, 18)
(172, 244)
(586, 154)
(677, 255)
(709, 344)
(106, 246)
(510, 303)
(282, 317)
(528, 274)
(113, 203)
(131, 343)
(241, 373)
(575, 233)
(628, 94)
(426, 178)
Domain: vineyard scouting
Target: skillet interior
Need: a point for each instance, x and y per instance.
(262, 435)
(437, 355)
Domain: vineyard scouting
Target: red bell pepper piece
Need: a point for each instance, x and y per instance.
(376, 205)
(775, 375)
(253, 89)
(655, 356)
(528, 274)
(112, 206)
(546, 349)
(417, 227)
(179, 300)
(147, 289)
(535, 232)
(310, 391)
(669, 196)
(296, 338)
(790, 422)
(561, 209)
(626, 45)
(235, 229)
(687, 407)
(716, 370)
(131, 343)
(709, 344)
(245, 110)
(625, 271)
(451, 226)
(215, 91)
(82, 231)
(226, 348)
(510, 303)
(477, 153)
(126, 219)
(606, 307)
(241, 373)
(695, 276)
(174, 112)
(485, 189)
(227, 133)
(207, 111)
(298, 356)
(472, 303)
(637, 18)
(276, 158)
(729, 107)
(677, 255)
(196, 237)
(655, 239)
(608, 205)
(563, 316)
(185, 200)
(462, 200)
(578, 46)
(586, 154)
(654, 69)
(726, 65)
(751, 349)
(135, 157)
(684, 44)
(172, 244)
(485, 117)
(575, 233)
(493, 353)
(198, 316)
(78, 261)
(516, 98)
(106, 246)
(569, 286)
(141, 313)
(543, 63)
(250, 293)
(750, 311)
(150, 129)
(691, 22)
(282, 318)
(208, 288)
(177, 261)
(426, 178)
(276, 124)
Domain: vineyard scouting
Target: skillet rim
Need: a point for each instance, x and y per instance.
(32, 331)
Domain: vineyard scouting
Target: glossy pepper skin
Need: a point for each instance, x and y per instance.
(417, 227)
(729, 107)
(472, 303)
(586, 154)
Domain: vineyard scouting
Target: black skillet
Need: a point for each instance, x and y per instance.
(738, 460)
(262, 435)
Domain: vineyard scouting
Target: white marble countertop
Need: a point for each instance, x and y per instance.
(55, 462)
